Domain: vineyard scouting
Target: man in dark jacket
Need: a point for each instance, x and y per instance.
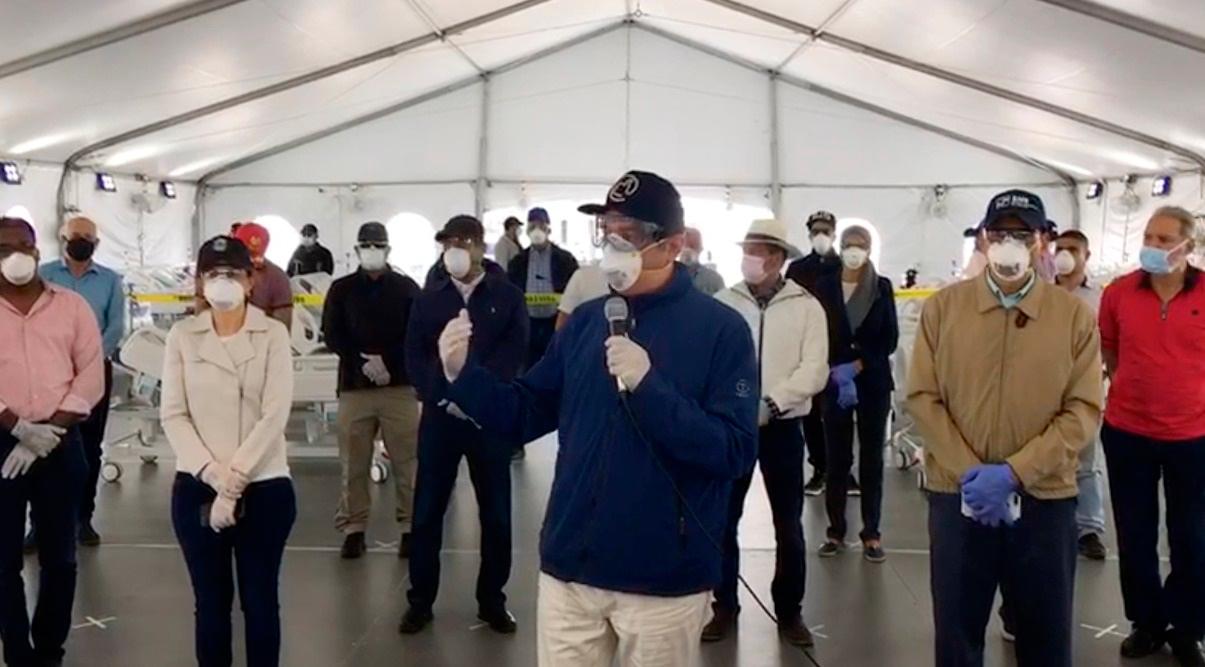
(822, 261)
(311, 256)
(447, 434)
(541, 270)
(652, 435)
(365, 321)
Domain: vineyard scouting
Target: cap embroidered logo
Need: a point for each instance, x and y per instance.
(220, 245)
(626, 187)
(1013, 201)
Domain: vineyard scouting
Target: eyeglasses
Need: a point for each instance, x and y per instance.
(231, 274)
(457, 242)
(624, 233)
(1025, 236)
(373, 246)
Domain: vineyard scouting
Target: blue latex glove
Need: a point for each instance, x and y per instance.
(843, 373)
(986, 489)
(847, 395)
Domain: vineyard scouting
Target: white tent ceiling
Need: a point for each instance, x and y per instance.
(171, 88)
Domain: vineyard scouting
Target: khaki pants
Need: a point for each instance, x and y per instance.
(393, 411)
(583, 626)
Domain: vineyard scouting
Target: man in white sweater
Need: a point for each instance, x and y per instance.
(790, 332)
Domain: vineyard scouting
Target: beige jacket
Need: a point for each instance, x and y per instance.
(1021, 386)
(228, 403)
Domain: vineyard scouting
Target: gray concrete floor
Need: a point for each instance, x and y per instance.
(134, 604)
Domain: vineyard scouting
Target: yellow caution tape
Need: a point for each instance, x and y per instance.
(543, 299)
(916, 293)
(308, 299)
(299, 299)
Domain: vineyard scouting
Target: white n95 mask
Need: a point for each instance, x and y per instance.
(19, 268)
(1009, 260)
(538, 236)
(1064, 263)
(822, 243)
(458, 262)
(621, 267)
(224, 294)
(853, 258)
(753, 269)
(372, 259)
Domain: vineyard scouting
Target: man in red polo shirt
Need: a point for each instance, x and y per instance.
(1153, 341)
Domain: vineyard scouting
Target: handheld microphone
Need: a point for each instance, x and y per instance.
(618, 323)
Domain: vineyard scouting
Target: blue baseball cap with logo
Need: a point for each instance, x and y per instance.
(1020, 204)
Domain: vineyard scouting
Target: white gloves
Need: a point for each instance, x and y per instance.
(41, 439)
(456, 412)
(221, 515)
(18, 462)
(454, 345)
(374, 369)
(228, 482)
(627, 361)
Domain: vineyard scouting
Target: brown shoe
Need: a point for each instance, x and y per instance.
(795, 633)
(722, 622)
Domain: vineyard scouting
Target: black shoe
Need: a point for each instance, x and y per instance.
(415, 620)
(403, 547)
(815, 485)
(830, 549)
(723, 620)
(1091, 547)
(1141, 643)
(855, 489)
(30, 546)
(88, 537)
(353, 546)
(519, 454)
(499, 620)
(874, 554)
(1187, 651)
(795, 633)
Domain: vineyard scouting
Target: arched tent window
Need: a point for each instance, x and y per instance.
(19, 211)
(283, 238)
(570, 229)
(876, 239)
(412, 243)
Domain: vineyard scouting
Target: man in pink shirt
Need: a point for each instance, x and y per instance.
(52, 362)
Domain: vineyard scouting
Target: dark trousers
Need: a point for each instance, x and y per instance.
(871, 426)
(541, 333)
(51, 489)
(251, 551)
(440, 448)
(1136, 465)
(1031, 562)
(813, 437)
(780, 456)
(92, 435)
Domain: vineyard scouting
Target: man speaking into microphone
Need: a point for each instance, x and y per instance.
(655, 426)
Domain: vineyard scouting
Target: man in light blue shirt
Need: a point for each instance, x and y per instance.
(102, 289)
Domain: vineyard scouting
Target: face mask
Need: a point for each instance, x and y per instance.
(372, 259)
(822, 243)
(19, 268)
(538, 236)
(308, 241)
(80, 249)
(224, 294)
(689, 257)
(1064, 263)
(1009, 260)
(622, 268)
(854, 258)
(1157, 261)
(753, 269)
(458, 262)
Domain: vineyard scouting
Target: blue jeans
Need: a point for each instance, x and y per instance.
(52, 490)
(1032, 563)
(1090, 508)
(253, 548)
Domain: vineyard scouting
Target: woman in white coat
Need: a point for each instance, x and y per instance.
(227, 393)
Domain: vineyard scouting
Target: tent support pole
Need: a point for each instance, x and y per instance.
(775, 156)
(1128, 21)
(483, 149)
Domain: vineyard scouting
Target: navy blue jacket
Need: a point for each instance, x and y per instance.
(499, 343)
(873, 343)
(613, 519)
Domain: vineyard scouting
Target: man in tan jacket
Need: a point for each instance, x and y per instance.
(1005, 387)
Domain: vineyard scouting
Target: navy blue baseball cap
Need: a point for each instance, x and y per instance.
(538, 214)
(1020, 204)
(644, 196)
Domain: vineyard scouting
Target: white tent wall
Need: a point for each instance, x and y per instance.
(129, 237)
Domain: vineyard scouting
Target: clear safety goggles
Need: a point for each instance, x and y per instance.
(623, 233)
(224, 272)
(1025, 236)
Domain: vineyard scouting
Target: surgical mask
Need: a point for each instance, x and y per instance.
(538, 236)
(689, 257)
(1009, 259)
(822, 243)
(1064, 263)
(621, 267)
(19, 268)
(753, 269)
(373, 259)
(458, 262)
(854, 258)
(224, 294)
(308, 241)
(80, 249)
(1157, 261)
